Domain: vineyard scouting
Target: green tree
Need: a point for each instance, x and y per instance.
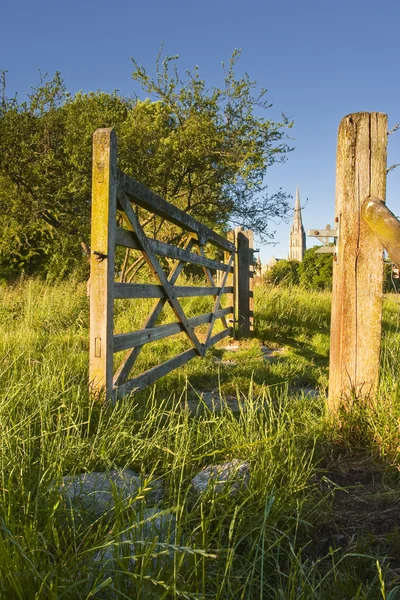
(284, 273)
(390, 282)
(207, 151)
(315, 272)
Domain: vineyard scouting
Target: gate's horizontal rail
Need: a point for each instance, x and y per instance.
(128, 239)
(124, 341)
(152, 202)
(146, 290)
(385, 225)
(152, 375)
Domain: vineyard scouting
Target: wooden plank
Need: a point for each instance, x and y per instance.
(126, 366)
(157, 205)
(152, 375)
(128, 239)
(104, 202)
(220, 336)
(170, 251)
(358, 272)
(217, 302)
(155, 266)
(147, 290)
(385, 225)
(209, 276)
(123, 341)
(322, 233)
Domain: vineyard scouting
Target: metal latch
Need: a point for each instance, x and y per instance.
(325, 235)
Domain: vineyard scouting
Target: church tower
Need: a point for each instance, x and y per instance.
(297, 241)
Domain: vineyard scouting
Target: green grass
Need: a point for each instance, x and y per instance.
(318, 519)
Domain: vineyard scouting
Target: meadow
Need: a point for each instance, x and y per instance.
(319, 518)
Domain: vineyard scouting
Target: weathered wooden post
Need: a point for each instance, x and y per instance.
(358, 266)
(244, 281)
(104, 202)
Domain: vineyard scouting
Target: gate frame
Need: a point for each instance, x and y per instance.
(113, 190)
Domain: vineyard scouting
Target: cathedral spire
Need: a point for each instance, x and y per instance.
(297, 204)
(297, 240)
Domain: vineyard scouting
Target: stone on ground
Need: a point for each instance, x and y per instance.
(95, 492)
(231, 476)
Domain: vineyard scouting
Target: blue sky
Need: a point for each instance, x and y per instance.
(318, 60)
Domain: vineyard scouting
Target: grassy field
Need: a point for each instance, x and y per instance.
(319, 518)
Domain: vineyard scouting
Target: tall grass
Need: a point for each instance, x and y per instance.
(262, 543)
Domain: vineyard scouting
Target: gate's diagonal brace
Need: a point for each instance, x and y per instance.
(218, 300)
(158, 271)
(209, 278)
(132, 355)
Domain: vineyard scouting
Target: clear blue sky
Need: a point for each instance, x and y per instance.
(319, 61)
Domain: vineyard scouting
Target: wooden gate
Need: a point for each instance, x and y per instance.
(113, 194)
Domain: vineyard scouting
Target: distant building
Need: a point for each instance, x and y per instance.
(297, 239)
(272, 262)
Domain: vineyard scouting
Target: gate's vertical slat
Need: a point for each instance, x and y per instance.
(358, 272)
(104, 202)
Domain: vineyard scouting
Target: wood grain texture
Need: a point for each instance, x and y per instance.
(123, 341)
(151, 375)
(104, 195)
(129, 240)
(131, 356)
(358, 272)
(385, 226)
(158, 271)
(148, 290)
(147, 199)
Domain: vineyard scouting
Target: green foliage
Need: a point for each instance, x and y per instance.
(286, 536)
(284, 273)
(391, 283)
(315, 272)
(206, 151)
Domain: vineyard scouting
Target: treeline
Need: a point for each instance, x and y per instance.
(315, 273)
(205, 150)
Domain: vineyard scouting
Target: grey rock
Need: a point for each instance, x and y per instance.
(307, 392)
(231, 476)
(271, 354)
(214, 402)
(225, 362)
(95, 492)
(148, 528)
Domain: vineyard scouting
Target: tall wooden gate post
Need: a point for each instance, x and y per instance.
(104, 203)
(244, 282)
(358, 270)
